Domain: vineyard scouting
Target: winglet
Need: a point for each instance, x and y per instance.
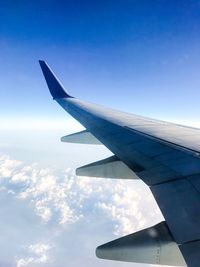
(55, 87)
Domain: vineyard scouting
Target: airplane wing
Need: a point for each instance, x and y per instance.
(165, 156)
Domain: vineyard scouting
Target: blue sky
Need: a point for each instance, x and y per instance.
(139, 56)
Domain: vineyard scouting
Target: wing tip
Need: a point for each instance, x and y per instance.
(55, 87)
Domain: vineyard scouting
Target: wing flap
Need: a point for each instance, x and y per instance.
(154, 245)
(110, 167)
(83, 137)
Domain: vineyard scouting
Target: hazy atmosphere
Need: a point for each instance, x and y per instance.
(134, 55)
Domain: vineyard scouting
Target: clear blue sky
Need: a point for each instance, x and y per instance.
(140, 56)
(136, 55)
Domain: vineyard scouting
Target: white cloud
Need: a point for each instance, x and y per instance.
(66, 194)
(8, 166)
(24, 262)
(38, 253)
(49, 194)
(62, 199)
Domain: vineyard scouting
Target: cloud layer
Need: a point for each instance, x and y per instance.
(63, 202)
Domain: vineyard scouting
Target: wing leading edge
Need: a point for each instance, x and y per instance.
(155, 152)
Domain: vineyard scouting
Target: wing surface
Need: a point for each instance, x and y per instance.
(164, 155)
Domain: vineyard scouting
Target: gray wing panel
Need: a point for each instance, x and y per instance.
(191, 252)
(167, 168)
(188, 137)
(179, 202)
(161, 161)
